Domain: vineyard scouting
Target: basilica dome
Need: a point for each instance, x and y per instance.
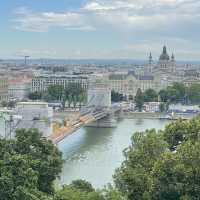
(164, 56)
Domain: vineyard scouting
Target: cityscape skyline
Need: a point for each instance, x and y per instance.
(92, 29)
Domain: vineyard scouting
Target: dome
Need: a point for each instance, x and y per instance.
(164, 55)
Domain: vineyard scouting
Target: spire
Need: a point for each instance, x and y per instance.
(164, 56)
(164, 50)
(173, 58)
(150, 58)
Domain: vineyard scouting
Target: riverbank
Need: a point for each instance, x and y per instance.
(156, 115)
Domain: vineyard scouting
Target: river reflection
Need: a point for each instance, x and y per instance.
(93, 154)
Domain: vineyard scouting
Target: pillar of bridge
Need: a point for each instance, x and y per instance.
(99, 94)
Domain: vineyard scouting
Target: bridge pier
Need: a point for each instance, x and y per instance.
(106, 122)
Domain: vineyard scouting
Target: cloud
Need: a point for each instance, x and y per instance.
(27, 20)
(145, 23)
(124, 15)
(36, 53)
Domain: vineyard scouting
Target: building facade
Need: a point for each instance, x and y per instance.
(19, 89)
(3, 88)
(41, 83)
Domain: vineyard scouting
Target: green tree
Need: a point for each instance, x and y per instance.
(177, 175)
(72, 192)
(116, 97)
(82, 185)
(133, 177)
(11, 104)
(55, 92)
(22, 166)
(139, 100)
(4, 103)
(35, 96)
(163, 95)
(162, 107)
(181, 131)
(150, 95)
(74, 94)
(48, 162)
(194, 93)
(180, 91)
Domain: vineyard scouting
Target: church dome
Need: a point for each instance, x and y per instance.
(164, 56)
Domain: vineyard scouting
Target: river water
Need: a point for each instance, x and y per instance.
(93, 154)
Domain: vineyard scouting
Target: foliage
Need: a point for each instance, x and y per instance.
(133, 177)
(55, 93)
(163, 107)
(179, 93)
(176, 176)
(116, 97)
(150, 95)
(151, 171)
(82, 185)
(139, 100)
(28, 166)
(72, 192)
(35, 96)
(194, 93)
(73, 93)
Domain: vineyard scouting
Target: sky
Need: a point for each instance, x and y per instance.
(99, 29)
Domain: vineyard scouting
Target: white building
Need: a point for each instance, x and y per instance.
(19, 90)
(3, 87)
(35, 115)
(42, 82)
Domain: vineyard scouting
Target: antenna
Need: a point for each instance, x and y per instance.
(25, 59)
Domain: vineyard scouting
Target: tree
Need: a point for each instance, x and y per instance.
(150, 95)
(82, 185)
(176, 175)
(175, 133)
(11, 104)
(133, 177)
(72, 192)
(162, 107)
(130, 98)
(194, 93)
(4, 103)
(35, 96)
(55, 92)
(139, 100)
(180, 91)
(163, 94)
(48, 162)
(116, 97)
(74, 93)
(28, 167)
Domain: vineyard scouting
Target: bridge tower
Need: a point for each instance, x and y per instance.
(99, 94)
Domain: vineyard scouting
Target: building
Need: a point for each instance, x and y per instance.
(3, 87)
(19, 89)
(165, 62)
(35, 115)
(129, 84)
(42, 82)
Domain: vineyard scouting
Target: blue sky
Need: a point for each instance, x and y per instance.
(99, 28)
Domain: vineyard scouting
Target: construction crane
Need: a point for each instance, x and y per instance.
(25, 59)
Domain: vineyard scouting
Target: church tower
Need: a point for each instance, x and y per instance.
(150, 62)
(164, 60)
(173, 63)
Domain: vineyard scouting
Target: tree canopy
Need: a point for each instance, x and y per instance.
(162, 165)
(139, 100)
(29, 166)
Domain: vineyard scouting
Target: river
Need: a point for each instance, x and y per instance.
(93, 154)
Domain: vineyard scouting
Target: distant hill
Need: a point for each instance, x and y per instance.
(87, 61)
